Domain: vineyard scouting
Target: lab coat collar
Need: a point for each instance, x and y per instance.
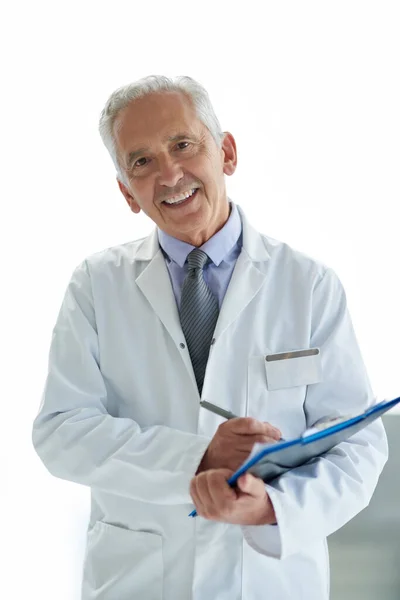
(253, 243)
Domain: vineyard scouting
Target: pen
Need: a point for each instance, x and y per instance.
(217, 410)
(222, 412)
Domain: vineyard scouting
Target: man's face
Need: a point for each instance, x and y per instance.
(165, 168)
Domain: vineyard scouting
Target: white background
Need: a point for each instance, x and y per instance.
(310, 91)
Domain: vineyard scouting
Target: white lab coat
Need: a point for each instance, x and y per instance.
(120, 413)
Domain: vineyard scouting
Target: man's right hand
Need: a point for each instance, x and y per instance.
(234, 441)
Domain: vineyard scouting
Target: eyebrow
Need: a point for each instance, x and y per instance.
(171, 138)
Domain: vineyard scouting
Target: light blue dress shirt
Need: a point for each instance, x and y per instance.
(223, 248)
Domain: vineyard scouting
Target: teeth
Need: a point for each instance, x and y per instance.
(181, 197)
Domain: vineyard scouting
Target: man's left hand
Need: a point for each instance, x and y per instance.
(247, 504)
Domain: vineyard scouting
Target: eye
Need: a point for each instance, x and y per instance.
(136, 165)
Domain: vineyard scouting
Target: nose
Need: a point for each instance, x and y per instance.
(170, 172)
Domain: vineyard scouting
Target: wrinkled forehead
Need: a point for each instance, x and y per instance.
(153, 118)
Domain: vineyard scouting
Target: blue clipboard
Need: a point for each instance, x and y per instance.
(268, 461)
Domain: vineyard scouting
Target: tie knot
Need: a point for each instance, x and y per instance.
(197, 259)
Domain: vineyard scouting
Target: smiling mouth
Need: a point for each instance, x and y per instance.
(183, 201)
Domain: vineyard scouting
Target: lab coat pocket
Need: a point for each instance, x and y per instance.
(292, 369)
(122, 563)
(277, 387)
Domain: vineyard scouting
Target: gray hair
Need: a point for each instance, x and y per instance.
(123, 96)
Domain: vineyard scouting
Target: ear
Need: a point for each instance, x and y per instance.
(133, 205)
(229, 154)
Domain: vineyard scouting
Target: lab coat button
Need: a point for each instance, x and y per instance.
(212, 341)
(182, 345)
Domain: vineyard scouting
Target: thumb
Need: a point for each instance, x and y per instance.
(250, 485)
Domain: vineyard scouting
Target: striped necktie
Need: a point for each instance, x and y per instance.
(198, 314)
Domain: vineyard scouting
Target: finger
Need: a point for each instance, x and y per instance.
(193, 491)
(221, 493)
(245, 426)
(246, 443)
(210, 492)
(272, 431)
(200, 493)
(260, 439)
(250, 426)
(196, 495)
(243, 449)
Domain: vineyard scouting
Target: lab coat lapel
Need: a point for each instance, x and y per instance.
(155, 283)
(247, 278)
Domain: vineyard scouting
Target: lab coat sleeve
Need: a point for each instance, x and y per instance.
(78, 440)
(316, 499)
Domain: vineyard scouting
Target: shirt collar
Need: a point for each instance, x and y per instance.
(218, 247)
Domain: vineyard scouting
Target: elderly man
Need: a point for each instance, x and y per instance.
(149, 328)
